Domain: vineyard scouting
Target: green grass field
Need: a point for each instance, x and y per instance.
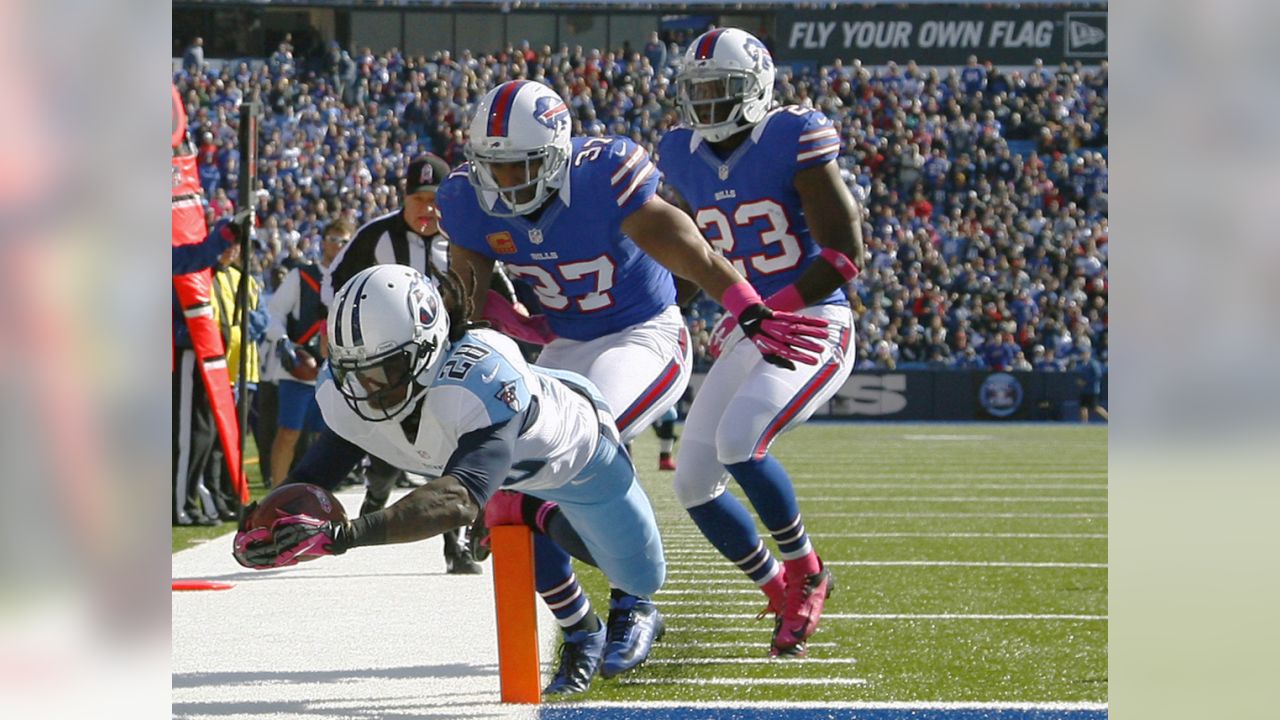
(1005, 528)
(1006, 598)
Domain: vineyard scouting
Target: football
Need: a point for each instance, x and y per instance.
(305, 368)
(295, 499)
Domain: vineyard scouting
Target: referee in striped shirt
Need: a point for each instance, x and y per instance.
(409, 236)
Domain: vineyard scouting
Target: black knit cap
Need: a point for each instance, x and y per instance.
(426, 172)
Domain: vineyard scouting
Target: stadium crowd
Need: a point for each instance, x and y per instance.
(984, 191)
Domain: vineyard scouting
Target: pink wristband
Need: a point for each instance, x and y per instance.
(786, 300)
(840, 262)
(738, 297)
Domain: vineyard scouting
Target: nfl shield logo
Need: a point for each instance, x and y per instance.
(535, 236)
(724, 172)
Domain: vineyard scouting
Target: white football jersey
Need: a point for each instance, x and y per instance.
(483, 382)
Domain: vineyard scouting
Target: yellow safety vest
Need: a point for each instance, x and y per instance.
(226, 283)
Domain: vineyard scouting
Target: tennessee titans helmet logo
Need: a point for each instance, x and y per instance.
(550, 111)
(758, 52)
(425, 303)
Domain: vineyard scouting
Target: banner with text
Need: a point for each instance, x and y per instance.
(942, 35)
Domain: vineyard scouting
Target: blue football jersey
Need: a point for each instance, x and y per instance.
(590, 278)
(746, 205)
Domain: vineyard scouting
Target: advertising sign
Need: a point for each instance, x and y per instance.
(942, 34)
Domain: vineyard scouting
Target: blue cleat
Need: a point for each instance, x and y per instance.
(634, 626)
(579, 660)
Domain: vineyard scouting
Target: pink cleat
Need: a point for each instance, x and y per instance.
(805, 599)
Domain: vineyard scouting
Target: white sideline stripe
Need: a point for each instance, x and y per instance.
(751, 661)
(927, 499)
(857, 705)
(951, 486)
(976, 516)
(731, 645)
(889, 616)
(743, 681)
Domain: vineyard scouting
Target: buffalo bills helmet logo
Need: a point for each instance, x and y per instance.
(550, 111)
(758, 52)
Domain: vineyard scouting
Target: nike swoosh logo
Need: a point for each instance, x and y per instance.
(489, 376)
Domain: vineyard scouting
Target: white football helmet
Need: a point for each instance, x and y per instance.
(519, 122)
(388, 328)
(725, 84)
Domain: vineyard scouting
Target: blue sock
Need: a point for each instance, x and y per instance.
(556, 583)
(727, 524)
(768, 487)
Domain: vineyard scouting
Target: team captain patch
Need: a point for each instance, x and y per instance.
(501, 242)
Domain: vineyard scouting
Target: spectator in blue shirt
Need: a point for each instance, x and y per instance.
(1090, 373)
(973, 77)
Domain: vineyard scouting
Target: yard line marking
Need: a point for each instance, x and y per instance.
(927, 499)
(731, 645)
(746, 590)
(996, 536)
(743, 681)
(965, 563)
(824, 473)
(751, 661)
(952, 486)
(855, 705)
(891, 616)
(678, 546)
(976, 516)
(709, 602)
(699, 572)
(913, 436)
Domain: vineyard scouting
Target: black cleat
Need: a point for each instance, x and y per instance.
(579, 660)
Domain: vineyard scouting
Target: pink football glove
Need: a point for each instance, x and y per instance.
(253, 548)
(302, 537)
(781, 337)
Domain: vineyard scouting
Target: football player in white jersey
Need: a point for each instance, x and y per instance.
(411, 381)
(763, 186)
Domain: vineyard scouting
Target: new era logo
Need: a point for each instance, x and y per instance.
(1086, 34)
(1082, 34)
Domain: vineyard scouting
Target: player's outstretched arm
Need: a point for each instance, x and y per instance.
(442, 504)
